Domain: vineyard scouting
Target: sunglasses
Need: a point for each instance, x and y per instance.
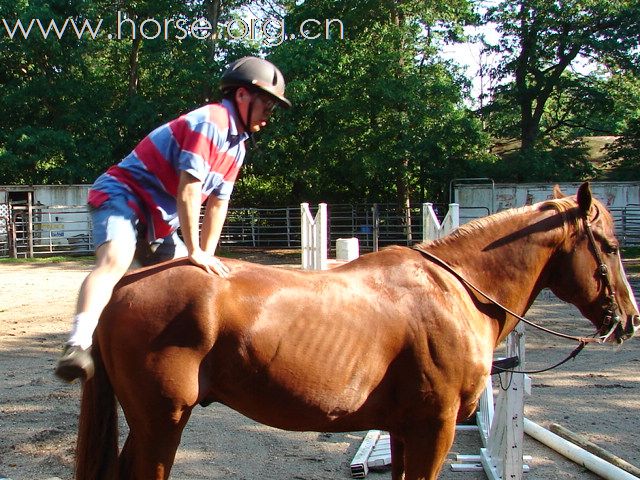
(268, 104)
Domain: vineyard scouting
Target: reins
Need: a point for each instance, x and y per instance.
(473, 287)
(573, 354)
(611, 318)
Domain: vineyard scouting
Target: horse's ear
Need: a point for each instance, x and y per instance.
(557, 193)
(584, 197)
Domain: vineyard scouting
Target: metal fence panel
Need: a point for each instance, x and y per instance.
(262, 227)
(43, 231)
(375, 225)
(627, 221)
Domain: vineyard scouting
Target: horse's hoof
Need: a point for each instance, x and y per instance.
(74, 363)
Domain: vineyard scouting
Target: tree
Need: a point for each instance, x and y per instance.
(540, 40)
(74, 104)
(624, 153)
(47, 95)
(376, 117)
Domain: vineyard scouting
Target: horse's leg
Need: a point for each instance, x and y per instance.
(150, 448)
(426, 449)
(397, 458)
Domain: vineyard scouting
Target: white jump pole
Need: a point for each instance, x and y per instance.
(580, 456)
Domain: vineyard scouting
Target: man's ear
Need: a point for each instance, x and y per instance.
(242, 94)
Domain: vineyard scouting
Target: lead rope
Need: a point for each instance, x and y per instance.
(582, 341)
(573, 354)
(448, 267)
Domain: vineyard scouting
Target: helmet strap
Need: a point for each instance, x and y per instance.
(247, 122)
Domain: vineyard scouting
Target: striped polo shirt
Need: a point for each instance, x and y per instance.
(205, 143)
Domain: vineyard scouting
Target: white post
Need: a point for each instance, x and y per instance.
(432, 229)
(502, 458)
(314, 237)
(452, 220)
(484, 415)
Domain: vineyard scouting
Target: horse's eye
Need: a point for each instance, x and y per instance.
(611, 249)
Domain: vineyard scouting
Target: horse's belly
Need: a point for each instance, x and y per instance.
(286, 411)
(301, 382)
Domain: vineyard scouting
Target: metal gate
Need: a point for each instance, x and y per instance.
(31, 231)
(627, 221)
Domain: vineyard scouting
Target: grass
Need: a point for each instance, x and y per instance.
(47, 260)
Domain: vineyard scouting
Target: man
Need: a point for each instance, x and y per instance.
(161, 185)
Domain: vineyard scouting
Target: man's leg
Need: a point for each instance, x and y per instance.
(112, 261)
(114, 232)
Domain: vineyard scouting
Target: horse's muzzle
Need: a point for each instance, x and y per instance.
(630, 328)
(633, 325)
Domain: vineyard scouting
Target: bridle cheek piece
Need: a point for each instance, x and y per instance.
(610, 307)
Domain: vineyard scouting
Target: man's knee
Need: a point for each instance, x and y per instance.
(114, 258)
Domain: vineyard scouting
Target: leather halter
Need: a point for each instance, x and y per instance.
(610, 306)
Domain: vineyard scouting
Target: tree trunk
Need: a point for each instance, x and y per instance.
(213, 9)
(404, 202)
(134, 63)
(524, 92)
(529, 128)
(402, 182)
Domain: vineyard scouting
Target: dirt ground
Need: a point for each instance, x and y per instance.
(595, 395)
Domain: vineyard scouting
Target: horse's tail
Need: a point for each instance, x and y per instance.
(97, 447)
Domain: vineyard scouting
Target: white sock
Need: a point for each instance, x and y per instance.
(84, 323)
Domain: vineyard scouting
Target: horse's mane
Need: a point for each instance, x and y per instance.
(563, 206)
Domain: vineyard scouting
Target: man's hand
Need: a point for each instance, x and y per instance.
(210, 263)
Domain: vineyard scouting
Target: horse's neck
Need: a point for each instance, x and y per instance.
(505, 258)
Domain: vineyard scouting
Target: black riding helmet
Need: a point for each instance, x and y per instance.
(255, 74)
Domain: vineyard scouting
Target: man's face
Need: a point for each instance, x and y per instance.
(261, 110)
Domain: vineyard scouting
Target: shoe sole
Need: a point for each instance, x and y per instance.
(69, 373)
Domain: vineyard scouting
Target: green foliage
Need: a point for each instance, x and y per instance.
(74, 106)
(556, 164)
(624, 153)
(377, 115)
(541, 40)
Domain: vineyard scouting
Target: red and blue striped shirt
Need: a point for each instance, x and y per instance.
(205, 143)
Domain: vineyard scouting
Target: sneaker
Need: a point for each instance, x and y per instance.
(75, 362)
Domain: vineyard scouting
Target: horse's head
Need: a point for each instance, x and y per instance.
(589, 273)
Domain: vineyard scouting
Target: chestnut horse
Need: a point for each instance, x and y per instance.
(390, 341)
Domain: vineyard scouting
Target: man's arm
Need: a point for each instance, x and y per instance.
(214, 217)
(189, 200)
